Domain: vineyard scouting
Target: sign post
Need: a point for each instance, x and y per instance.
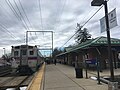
(99, 3)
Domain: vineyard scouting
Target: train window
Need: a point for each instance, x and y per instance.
(31, 52)
(15, 53)
(17, 47)
(30, 47)
(24, 52)
(23, 46)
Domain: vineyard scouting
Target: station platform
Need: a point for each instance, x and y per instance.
(62, 77)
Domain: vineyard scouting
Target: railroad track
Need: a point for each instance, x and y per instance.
(20, 84)
(5, 70)
(14, 82)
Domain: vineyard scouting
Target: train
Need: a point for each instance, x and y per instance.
(26, 59)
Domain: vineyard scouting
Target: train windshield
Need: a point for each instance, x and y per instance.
(24, 52)
(16, 53)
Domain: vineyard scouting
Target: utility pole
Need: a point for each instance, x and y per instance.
(4, 55)
(4, 51)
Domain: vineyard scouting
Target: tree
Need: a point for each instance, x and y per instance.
(82, 35)
(57, 51)
(6, 57)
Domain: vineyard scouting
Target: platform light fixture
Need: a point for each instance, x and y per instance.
(99, 3)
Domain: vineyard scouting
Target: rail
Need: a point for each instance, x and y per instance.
(4, 70)
(13, 82)
(18, 86)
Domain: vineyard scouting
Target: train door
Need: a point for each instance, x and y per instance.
(24, 56)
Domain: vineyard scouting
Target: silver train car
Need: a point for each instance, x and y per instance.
(26, 59)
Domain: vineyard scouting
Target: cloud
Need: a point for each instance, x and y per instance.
(58, 16)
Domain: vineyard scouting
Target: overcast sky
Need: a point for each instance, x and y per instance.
(59, 16)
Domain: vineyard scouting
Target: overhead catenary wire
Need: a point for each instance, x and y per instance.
(60, 15)
(57, 10)
(14, 12)
(82, 26)
(77, 18)
(25, 14)
(26, 18)
(18, 15)
(5, 10)
(22, 17)
(4, 27)
(40, 13)
(12, 35)
(59, 19)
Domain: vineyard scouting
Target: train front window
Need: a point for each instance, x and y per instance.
(15, 53)
(24, 52)
(31, 53)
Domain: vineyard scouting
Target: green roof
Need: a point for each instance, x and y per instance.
(94, 42)
(103, 40)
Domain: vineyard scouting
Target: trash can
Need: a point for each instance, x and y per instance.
(79, 72)
(113, 86)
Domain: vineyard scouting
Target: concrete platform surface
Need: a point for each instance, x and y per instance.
(62, 77)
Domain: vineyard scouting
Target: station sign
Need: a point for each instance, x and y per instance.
(91, 61)
(112, 21)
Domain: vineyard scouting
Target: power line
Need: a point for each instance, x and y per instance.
(17, 15)
(58, 11)
(25, 14)
(26, 18)
(22, 17)
(83, 25)
(59, 17)
(12, 35)
(39, 1)
(77, 18)
(62, 10)
(92, 16)
(14, 12)
(40, 13)
(5, 10)
(40, 10)
(3, 26)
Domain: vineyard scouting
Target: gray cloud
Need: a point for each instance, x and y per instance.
(57, 16)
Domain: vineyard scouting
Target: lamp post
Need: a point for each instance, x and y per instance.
(99, 3)
(4, 51)
(4, 55)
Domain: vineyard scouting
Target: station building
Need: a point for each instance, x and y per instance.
(92, 51)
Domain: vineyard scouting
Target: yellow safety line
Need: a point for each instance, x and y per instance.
(36, 83)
